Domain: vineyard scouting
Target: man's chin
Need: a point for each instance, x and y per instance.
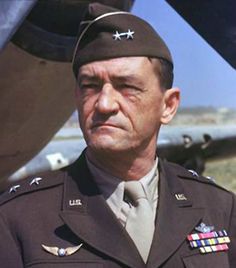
(103, 140)
(108, 143)
(106, 147)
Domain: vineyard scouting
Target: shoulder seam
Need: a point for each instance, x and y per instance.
(183, 173)
(204, 180)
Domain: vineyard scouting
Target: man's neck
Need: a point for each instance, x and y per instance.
(126, 166)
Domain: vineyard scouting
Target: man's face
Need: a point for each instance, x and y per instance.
(120, 104)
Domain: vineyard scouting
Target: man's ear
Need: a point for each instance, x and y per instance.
(171, 104)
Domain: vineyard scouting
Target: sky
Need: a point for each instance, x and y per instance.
(204, 77)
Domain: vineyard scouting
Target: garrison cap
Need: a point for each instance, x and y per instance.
(107, 33)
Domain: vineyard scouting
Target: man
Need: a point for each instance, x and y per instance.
(119, 205)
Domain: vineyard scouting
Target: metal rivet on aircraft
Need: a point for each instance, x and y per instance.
(13, 189)
(35, 181)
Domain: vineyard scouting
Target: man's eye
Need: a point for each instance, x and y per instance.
(89, 86)
(129, 87)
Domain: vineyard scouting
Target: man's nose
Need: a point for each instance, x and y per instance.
(107, 101)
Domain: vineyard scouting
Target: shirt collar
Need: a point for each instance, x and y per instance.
(112, 188)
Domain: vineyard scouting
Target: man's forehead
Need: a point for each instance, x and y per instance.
(123, 64)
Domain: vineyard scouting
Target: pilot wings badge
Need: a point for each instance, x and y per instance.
(61, 252)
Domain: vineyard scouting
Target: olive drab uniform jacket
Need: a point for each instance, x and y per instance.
(62, 220)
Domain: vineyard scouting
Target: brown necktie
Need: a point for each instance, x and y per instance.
(140, 221)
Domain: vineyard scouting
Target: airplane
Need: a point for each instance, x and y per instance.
(36, 97)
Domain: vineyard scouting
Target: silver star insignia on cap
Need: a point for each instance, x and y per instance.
(129, 35)
(61, 252)
(117, 36)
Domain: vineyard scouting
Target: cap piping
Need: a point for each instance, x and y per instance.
(91, 23)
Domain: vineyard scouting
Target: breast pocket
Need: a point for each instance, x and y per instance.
(216, 260)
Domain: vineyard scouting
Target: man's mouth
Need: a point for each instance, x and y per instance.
(104, 124)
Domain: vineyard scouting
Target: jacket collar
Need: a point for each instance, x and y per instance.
(87, 214)
(177, 215)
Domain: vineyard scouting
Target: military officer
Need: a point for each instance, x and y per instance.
(119, 205)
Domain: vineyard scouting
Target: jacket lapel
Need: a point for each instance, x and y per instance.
(92, 220)
(176, 217)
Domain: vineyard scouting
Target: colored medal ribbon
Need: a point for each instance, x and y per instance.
(207, 242)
